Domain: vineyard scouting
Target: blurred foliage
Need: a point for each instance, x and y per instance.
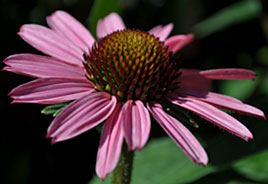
(245, 89)
(254, 167)
(163, 156)
(230, 35)
(236, 13)
(100, 9)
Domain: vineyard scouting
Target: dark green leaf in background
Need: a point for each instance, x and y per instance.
(254, 167)
(233, 14)
(100, 9)
(242, 89)
(163, 162)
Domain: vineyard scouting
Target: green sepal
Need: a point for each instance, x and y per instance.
(54, 109)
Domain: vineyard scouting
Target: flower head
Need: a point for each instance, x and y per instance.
(121, 79)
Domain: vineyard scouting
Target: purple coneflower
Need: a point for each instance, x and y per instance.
(121, 79)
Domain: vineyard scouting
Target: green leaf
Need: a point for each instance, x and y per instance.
(100, 9)
(254, 167)
(54, 109)
(262, 55)
(233, 14)
(162, 161)
(239, 182)
(240, 89)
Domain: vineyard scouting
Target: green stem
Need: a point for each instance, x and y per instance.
(122, 172)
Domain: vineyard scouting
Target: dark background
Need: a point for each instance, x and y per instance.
(26, 156)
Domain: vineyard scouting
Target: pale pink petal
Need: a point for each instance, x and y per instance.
(145, 125)
(65, 24)
(214, 115)
(111, 23)
(180, 134)
(228, 74)
(136, 124)
(177, 42)
(51, 91)
(42, 67)
(110, 144)
(51, 43)
(81, 115)
(191, 79)
(222, 101)
(162, 31)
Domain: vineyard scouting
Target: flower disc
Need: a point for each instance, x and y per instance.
(131, 64)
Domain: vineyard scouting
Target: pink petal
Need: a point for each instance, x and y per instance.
(223, 101)
(111, 23)
(191, 79)
(81, 115)
(162, 31)
(42, 67)
(73, 30)
(110, 144)
(214, 115)
(229, 73)
(136, 124)
(51, 91)
(177, 42)
(181, 135)
(51, 43)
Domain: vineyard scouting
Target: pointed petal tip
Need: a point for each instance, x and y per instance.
(191, 36)
(140, 148)
(48, 135)
(53, 141)
(202, 159)
(204, 164)
(21, 28)
(6, 59)
(261, 114)
(170, 26)
(6, 68)
(55, 13)
(250, 137)
(102, 176)
(113, 14)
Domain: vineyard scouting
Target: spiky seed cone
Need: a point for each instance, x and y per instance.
(132, 64)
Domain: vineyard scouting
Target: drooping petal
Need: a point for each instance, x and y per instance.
(136, 124)
(110, 144)
(214, 115)
(228, 74)
(177, 42)
(110, 23)
(191, 79)
(51, 43)
(42, 67)
(81, 115)
(162, 31)
(222, 101)
(180, 134)
(51, 91)
(67, 25)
